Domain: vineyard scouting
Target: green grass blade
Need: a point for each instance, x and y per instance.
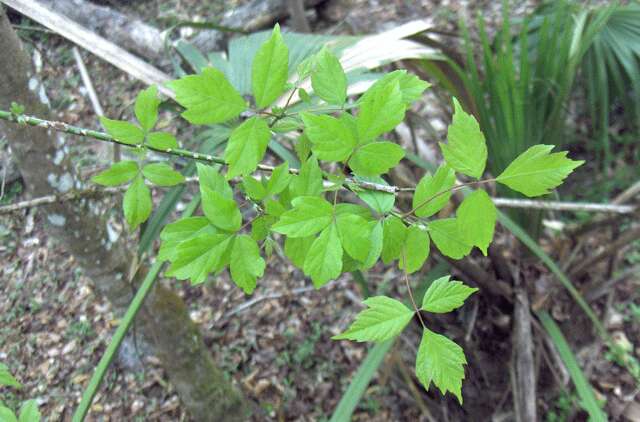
(361, 379)
(587, 397)
(129, 316)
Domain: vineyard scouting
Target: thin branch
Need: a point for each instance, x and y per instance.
(350, 182)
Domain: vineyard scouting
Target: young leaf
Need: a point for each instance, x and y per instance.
(270, 69)
(29, 412)
(415, 249)
(444, 295)
(310, 215)
(354, 234)
(246, 146)
(279, 180)
(428, 198)
(6, 379)
(296, 248)
(195, 258)
(328, 79)
(466, 150)
(380, 111)
(449, 239)
(246, 263)
(146, 107)
(384, 319)
(222, 212)
(536, 171)
(309, 181)
(125, 132)
(162, 140)
(208, 97)
(210, 177)
(118, 174)
(179, 231)
(440, 360)
(332, 140)
(477, 219)
(380, 202)
(137, 203)
(376, 158)
(411, 87)
(261, 226)
(162, 174)
(324, 258)
(274, 208)
(375, 240)
(395, 233)
(254, 188)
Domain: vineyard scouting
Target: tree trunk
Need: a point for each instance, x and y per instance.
(81, 228)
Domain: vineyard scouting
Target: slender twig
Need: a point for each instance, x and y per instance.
(612, 248)
(349, 183)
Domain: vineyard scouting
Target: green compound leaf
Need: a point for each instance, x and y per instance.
(375, 158)
(536, 171)
(385, 318)
(195, 258)
(7, 415)
(394, 234)
(162, 140)
(246, 147)
(162, 174)
(261, 226)
(381, 110)
(324, 258)
(466, 150)
(246, 264)
(296, 248)
(221, 211)
(270, 69)
(448, 237)
(477, 219)
(210, 177)
(125, 132)
(208, 97)
(355, 234)
(29, 412)
(332, 139)
(309, 181)
(380, 202)
(428, 198)
(415, 249)
(137, 203)
(179, 231)
(440, 360)
(6, 379)
(444, 295)
(328, 79)
(310, 215)
(118, 174)
(146, 107)
(279, 180)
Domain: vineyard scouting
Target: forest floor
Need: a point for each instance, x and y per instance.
(276, 343)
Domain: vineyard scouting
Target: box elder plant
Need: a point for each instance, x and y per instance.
(340, 147)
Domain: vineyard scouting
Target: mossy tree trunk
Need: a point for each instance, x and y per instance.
(164, 321)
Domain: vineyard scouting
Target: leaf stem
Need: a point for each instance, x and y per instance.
(406, 282)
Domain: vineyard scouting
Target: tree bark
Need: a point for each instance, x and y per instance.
(80, 227)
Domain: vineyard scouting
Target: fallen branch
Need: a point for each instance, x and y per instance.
(92, 42)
